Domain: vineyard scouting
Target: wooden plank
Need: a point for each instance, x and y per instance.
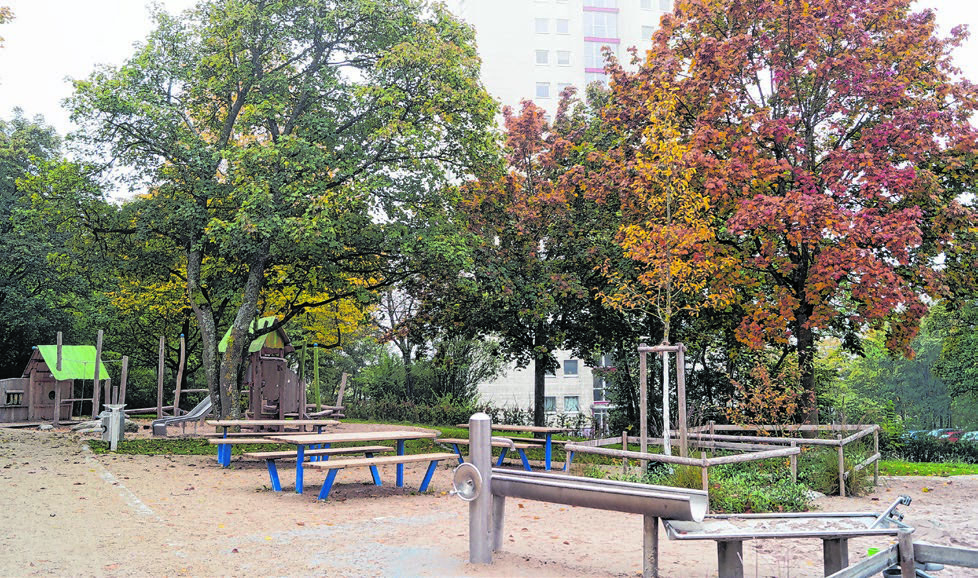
(633, 455)
(465, 442)
(908, 569)
(354, 437)
(123, 379)
(176, 392)
(95, 378)
(860, 434)
(58, 362)
(319, 452)
(763, 439)
(523, 428)
(239, 441)
(263, 422)
(159, 379)
(379, 461)
(741, 458)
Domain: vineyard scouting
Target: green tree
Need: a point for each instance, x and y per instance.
(294, 147)
(34, 298)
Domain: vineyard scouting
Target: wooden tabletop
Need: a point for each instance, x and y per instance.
(365, 436)
(246, 422)
(526, 428)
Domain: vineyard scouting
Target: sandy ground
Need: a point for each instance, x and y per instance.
(67, 512)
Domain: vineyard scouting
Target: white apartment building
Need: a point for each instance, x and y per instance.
(532, 49)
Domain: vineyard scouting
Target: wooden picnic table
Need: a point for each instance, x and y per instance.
(224, 450)
(547, 430)
(326, 440)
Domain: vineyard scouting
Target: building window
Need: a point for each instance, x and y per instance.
(550, 403)
(646, 4)
(601, 3)
(592, 77)
(563, 57)
(543, 90)
(665, 5)
(601, 24)
(543, 57)
(647, 32)
(562, 26)
(541, 25)
(570, 368)
(572, 403)
(593, 54)
(600, 381)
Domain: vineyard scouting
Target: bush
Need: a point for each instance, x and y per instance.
(819, 469)
(930, 449)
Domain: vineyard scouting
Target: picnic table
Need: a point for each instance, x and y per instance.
(535, 429)
(326, 440)
(224, 449)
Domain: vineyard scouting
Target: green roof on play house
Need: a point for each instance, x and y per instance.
(273, 340)
(77, 362)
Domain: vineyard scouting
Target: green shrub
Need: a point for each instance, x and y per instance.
(930, 449)
(819, 469)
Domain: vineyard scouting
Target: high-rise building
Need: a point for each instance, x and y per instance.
(532, 49)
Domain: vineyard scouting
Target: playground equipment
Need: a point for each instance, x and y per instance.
(196, 415)
(486, 489)
(48, 391)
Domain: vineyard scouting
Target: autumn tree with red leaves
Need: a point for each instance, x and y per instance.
(825, 138)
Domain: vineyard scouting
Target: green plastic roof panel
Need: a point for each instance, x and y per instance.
(273, 339)
(77, 362)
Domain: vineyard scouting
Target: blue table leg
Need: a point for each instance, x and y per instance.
(461, 460)
(373, 471)
(428, 474)
(567, 463)
(327, 484)
(502, 455)
(273, 475)
(400, 467)
(300, 455)
(224, 449)
(526, 462)
(325, 458)
(548, 451)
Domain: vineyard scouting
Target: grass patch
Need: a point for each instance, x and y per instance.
(902, 468)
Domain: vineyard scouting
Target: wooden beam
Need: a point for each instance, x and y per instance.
(159, 379)
(643, 403)
(681, 394)
(58, 364)
(123, 380)
(95, 377)
(183, 359)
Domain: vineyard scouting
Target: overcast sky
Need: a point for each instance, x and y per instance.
(52, 40)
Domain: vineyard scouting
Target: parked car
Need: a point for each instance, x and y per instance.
(971, 436)
(937, 433)
(952, 436)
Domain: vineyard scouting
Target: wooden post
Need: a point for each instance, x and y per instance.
(339, 395)
(712, 433)
(794, 466)
(650, 547)
(107, 384)
(123, 379)
(705, 471)
(31, 384)
(842, 467)
(315, 377)
(681, 394)
(159, 379)
(905, 549)
(57, 404)
(666, 418)
(58, 364)
(624, 448)
(176, 392)
(876, 450)
(643, 405)
(98, 360)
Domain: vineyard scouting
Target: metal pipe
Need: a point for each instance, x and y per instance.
(689, 505)
(480, 509)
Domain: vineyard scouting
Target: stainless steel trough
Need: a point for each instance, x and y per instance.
(486, 489)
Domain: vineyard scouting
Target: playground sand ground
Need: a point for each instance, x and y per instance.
(66, 511)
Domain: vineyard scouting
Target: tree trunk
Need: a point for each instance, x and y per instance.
(233, 357)
(539, 380)
(208, 328)
(806, 365)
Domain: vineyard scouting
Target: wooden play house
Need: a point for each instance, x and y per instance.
(275, 390)
(45, 392)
